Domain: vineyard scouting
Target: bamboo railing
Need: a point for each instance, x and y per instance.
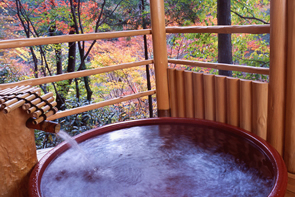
(77, 74)
(221, 66)
(227, 29)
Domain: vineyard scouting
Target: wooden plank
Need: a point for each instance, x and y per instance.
(209, 94)
(198, 85)
(259, 108)
(233, 101)
(221, 29)
(180, 93)
(220, 98)
(188, 92)
(172, 92)
(221, 66)
(246, 104)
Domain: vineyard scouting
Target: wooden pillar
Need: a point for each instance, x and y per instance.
(289, 152)
(17, 153)
(276, 93)
(160, 56)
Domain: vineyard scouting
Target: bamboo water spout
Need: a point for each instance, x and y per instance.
(47, 126)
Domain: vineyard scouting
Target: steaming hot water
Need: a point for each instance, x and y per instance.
(159, 160)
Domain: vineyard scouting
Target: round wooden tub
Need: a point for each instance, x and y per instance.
(162, 157)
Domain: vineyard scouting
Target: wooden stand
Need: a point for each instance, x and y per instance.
(17, 153)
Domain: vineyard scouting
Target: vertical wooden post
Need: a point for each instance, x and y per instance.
(209, 97)
(160, 56)
(246, 104)
(233, 101)
(17, 153)
(172, 92)
(188, 94)
(220, 98)
(180, 93)
(259, 108)
(289, 152)
(276, 93)
(198, 85)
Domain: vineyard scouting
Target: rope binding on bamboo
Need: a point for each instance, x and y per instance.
(29, 99)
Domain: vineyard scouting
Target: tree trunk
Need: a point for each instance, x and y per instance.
(224, 40)
(147, 68)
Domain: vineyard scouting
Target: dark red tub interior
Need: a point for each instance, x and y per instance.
(213, 137)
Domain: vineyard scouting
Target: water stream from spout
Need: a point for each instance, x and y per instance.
(84, 158)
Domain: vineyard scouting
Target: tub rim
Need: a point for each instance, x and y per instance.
(281, 175)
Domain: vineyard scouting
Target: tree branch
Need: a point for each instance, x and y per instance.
(249, 18)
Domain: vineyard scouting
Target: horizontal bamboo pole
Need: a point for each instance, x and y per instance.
(13, 91)
(39, 105)
(18, 104)
(209, 97)
(14, 100)
(246, 104)
(47, 114)
(172, 92)
(47, 126)
(220, 98)
(44, 80)
(25, 42)
(221, 66)
(198, 85)
(259, 108)
(188, 94)
(180, 93)
(38, 100)
(77, 110)
(224, 29)
(45, 109)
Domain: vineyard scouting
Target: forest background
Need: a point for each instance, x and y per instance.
(44, 18)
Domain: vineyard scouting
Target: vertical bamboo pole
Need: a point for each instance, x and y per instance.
(276, 93)
(233, 101)
(188, 92)
(198, 85)
(259, 108)
(160, 56)
(172, 92)
(180, 93)
(209, 97)
(289, 152)
(220, 98)
(246, 104)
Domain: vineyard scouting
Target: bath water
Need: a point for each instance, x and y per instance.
(159, 161)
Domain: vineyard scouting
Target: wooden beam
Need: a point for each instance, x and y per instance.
(85, 108)
(66, 76)
(248, 69)
(221, 29)
(160, 56)
(25, 42)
